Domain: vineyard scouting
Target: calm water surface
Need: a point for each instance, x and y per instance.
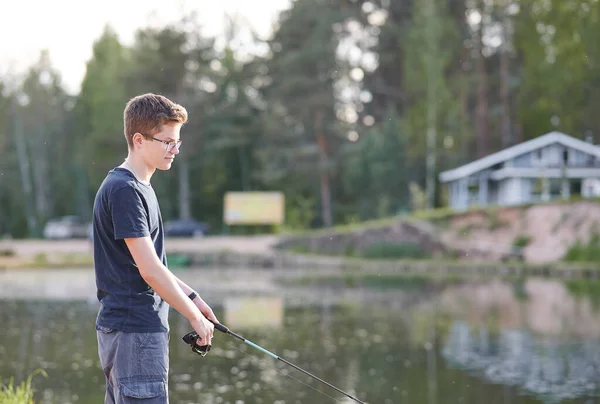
(412, 341)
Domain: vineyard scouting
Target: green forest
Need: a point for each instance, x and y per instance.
(351, 108)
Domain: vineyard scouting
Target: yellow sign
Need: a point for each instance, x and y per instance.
(253, 208)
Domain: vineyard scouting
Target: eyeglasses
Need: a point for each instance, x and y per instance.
(170, 144)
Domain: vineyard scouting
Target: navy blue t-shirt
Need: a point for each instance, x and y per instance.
(125, 208)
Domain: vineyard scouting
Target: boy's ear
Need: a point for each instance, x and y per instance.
(137, 138)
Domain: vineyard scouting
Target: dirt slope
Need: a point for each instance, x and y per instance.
(551, 229)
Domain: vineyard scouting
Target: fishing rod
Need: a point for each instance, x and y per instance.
(191, 339)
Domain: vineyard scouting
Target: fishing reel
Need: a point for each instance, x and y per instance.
(191, 338)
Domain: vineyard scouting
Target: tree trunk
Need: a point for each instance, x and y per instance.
(465, 124)
(481, 112)
(41, 178)
(519, 134)
(505, 100)
(83, 203)
(184, 188)
(506, 132)
(323, 169)
(185, 203)
(465, 113)
(244, 169)
(432, 81)
(24, 169)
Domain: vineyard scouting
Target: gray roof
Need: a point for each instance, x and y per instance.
(517, 150)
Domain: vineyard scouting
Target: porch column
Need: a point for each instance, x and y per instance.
(452, 195)
(483, 190)
(463, 194)
(565, 189)
(545, 189)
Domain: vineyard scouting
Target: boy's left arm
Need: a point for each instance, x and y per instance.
(198, 301)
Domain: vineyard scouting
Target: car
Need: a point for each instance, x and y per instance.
(66, 227)
(185, 228)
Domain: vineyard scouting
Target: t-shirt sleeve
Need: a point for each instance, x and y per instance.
(129, 216)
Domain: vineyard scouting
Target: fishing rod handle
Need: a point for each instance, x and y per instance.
(219, 327)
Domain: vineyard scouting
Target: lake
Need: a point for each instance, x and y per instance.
(400, 340)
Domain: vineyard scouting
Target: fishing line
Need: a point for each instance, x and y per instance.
(285, 373)
(191, 339)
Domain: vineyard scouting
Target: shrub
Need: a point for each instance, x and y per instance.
(19, 394)
(581, 252)
(7, 252)
(389, 250)
(521, 241)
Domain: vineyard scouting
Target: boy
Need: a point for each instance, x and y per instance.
(134, 286)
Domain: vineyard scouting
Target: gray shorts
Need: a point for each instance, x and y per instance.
(136, 366)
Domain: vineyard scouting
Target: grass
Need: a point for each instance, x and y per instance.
(582, 252)
(387, 250)
(430, 214)
(345, 228)
(423, 265)
(437, 215)
(23, 393)
(366, 280)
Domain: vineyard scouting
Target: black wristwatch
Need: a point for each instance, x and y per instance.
(193, 295)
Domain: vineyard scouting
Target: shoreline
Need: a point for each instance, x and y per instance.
(257, 252)
(295, 263)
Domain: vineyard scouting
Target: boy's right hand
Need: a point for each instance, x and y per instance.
(204, 329)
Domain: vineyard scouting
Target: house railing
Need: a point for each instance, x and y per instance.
(561, 165)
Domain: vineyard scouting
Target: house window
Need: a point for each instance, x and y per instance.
(555, 185)
(565, 158)
(473, 192)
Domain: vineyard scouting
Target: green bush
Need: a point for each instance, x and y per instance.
(7, 252)
(299, 248)
(581, 252)
(494, 222)
(521, 241)
(19, 394)
(389, 250)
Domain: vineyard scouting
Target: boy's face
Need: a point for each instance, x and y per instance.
(158, 154)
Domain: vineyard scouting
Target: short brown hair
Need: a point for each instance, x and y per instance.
(147, 113)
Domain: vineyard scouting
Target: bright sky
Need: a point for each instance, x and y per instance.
(68, 28)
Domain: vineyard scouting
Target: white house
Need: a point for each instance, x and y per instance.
(550, 166)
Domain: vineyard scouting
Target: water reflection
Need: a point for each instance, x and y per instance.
(546, 307)
(490, 342)
(549, 368)
(243, 312)
(534, 334)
